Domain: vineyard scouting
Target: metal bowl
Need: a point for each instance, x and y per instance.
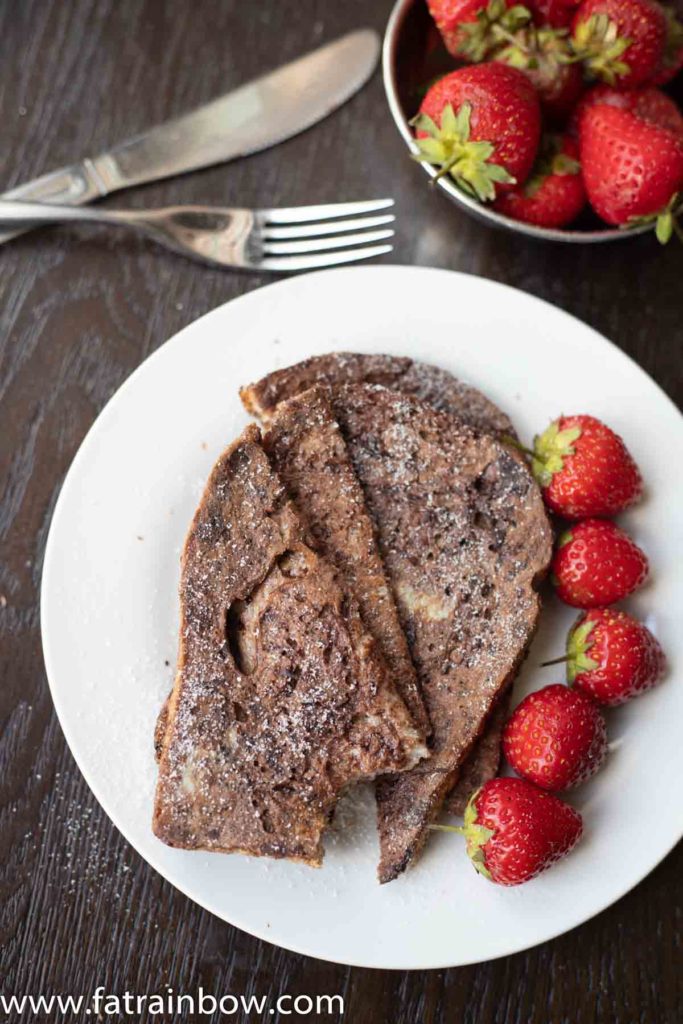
(413, 56)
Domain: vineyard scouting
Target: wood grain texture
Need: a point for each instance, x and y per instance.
(79, 312)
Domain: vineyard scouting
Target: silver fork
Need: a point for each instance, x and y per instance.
(285, 239)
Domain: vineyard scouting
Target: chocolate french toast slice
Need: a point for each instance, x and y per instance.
(281, 698)
(465, 540)
(430, 384)
(308, 452)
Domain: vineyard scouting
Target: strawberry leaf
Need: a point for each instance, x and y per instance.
(515, 17)
(431, 151)
(551, 448)
(450, 124)
(480, 37)
(578, 646)
(498, 173)
(476, 837)
(450, 148)
(423, 123)
(665, 220)
(597, 43)
(563, 164)
(550, 160)
(461, 123)
(665, 227)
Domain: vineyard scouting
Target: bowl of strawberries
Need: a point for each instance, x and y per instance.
(558, 119)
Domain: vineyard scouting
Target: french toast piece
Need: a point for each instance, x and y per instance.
(307, 451)
(431, 384)
(483, 761)
(281, 698)
(465, 539)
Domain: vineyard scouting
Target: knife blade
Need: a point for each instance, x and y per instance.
(252, 117)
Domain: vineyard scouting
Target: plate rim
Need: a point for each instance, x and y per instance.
(100, 422)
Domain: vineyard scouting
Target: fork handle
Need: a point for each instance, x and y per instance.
(19, 212)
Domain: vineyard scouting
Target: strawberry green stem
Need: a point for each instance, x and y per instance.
(555, 661)
(513, 39)
(444, 170)
(514, 443)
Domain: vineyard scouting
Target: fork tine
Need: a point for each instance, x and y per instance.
(323, 244)
(329, 227)
(314, 262)
(300, 214)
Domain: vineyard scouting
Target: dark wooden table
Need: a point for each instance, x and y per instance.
(79, 312)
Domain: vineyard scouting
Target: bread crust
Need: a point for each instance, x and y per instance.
(430, 384)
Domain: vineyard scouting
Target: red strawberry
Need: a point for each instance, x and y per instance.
(584, 468)
(470, 28)
(632, 170)
(613, 657)
(648, 104)
(556, 738)
(480, 124)
(544, 55)
(672, 61)
(514, 830)
(655, 107)
(554, 13)
(620, 41)
(597, 564)
(553, 195)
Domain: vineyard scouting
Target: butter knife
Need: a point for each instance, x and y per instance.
(253, 117)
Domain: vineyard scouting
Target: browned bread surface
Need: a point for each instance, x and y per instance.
(464, 538)
(431, 384)
(281, 698)
(309, 455)
(435, 387)
(483, 762)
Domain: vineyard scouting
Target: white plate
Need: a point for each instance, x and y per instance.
(109, 609)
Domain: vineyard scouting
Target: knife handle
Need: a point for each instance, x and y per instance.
(70, 185)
